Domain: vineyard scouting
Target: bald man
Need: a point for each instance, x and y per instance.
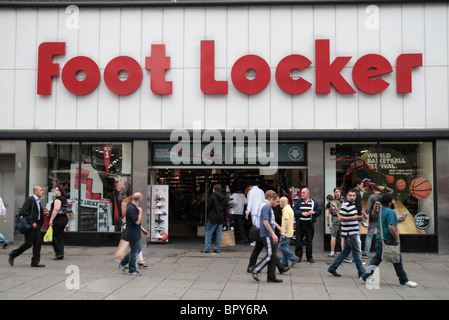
(34, 213)
(306, 211)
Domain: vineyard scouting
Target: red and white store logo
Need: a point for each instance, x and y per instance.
(365, 73)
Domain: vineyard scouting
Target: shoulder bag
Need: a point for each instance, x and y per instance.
(390, 253)
(22, 224)
(67, 210)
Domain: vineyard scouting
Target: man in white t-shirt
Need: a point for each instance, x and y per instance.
(3, 241)
(255, 197)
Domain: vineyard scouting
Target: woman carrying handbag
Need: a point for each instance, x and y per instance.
(58, 220)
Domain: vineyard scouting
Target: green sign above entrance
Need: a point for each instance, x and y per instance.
(169, 154)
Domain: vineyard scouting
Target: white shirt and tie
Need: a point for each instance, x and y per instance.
(38, 202)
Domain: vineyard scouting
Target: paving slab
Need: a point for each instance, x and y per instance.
(183, 273)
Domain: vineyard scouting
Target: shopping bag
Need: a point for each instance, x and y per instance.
(48, 237)
(391, 253)
(227, 239)
(122, 250)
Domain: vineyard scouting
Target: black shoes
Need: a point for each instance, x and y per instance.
(34, 265)
(37, 265)
(284, 270)
(334, 272)
(275, 280)
(256, 276)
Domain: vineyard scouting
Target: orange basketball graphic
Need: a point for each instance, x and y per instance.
(390, 179)
(420, 188)
(164, 237)
(400, 184)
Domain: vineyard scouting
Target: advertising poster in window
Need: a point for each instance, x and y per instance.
(404, 168)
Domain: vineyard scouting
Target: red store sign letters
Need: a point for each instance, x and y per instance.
(365, 73)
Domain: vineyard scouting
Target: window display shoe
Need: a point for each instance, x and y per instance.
(157, 236)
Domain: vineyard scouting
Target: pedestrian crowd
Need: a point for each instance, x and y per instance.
(268, 234)
(345, 216)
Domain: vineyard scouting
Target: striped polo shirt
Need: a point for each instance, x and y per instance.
(306, 207)
(349, 209)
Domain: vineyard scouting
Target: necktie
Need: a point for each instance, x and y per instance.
(38, 202)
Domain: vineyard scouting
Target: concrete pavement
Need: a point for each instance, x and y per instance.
(179, 271)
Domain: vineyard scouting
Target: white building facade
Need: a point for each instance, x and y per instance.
(362, 88)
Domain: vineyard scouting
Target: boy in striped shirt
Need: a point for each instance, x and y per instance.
(349, 218)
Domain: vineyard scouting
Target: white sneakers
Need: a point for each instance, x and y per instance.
(409, 284)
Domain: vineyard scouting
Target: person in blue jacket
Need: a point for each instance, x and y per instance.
(306, 211)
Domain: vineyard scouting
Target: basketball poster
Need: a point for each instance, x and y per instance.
(406, 168)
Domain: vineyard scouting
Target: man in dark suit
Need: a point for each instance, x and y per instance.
(34, 213)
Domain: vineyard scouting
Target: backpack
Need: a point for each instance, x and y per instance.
(334, 207)
(375, 210)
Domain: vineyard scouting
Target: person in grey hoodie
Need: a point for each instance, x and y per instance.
(372, 226)
(216, 208)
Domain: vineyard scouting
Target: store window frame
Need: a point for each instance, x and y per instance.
(79, 177)
(379, 145)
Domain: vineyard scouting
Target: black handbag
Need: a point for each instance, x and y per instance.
(254, 233)
(65, 209)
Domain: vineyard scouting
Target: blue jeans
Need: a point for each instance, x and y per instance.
(369, 237)
(377, 259)
(131, 257)
(3, 240)
(287, 254)
(352, 243)
(212, 228)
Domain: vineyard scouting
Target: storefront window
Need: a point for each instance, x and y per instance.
(405, 168)
(409, 167)
(52, 164)
(96, 176)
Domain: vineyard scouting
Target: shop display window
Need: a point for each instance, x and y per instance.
(96, 177)
(405, 168)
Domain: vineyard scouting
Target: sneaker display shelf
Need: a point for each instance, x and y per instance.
(158, 213)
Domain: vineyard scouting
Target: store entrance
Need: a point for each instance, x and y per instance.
(7, 189)
(189, 190)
